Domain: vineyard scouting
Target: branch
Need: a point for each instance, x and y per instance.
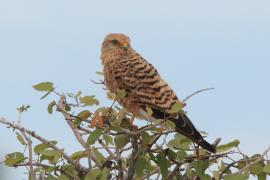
(134, 156)
(253, 163)
(120, 165)
(30, 150)
(61, 108)
(156, 170)
(37, 164)
(78, 166)
(32, 175)
(195, 93)
(145, 128)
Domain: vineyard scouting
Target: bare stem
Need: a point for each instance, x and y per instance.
(195, 93)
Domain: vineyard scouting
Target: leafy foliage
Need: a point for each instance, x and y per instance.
(112, 148)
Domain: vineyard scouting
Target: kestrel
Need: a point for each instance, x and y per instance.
(125, 69)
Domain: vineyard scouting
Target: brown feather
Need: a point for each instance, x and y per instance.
(125, 69)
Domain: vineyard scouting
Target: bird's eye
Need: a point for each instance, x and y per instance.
(114, 41)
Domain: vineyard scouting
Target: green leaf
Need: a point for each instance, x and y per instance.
(40, 147)
(205, 177)
(164, 164)
(93, 174)
(256, 169)
(266, 169)
(200, 167)
(170, 124)
(121, 94)
(149, 111)
(262, 176)
(179, 142)
(181, 155)
(94, 136)
(145, 139)
(79, 155)
(50, 177)
(108, 139)
(63, 177)
(52, 155)
(14, 159)
(176, 108)
(100, 73)
(69, 169)
(81, 116)
(121, 140)
(140, 166)
(226, 147)
(51, 168)
(20, 138)
(49, 152)
(98, 155)
(236, 177)
(105, 174)
(84, 114)
(44, 86)
(50, 107)
(89, 100)
(170, 154)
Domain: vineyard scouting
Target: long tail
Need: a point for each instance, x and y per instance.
(183, 125)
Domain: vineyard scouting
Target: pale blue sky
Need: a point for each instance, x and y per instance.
(193, 44)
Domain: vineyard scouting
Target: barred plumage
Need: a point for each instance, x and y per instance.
(125, 69)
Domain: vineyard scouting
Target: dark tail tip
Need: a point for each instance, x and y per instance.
(204, 144)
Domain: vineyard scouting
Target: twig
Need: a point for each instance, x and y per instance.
(30, 151)
(255, 162)
(244, 156)
(61, 108)
(133, 159)
(156, 170)
(227, 168)
(100, 82)
(78, 166)
(37, 164)
(29, 144)
(120, 164)
(105, 147)
(136, 133)
(195, 93)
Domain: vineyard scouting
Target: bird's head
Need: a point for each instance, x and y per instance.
(119, 43)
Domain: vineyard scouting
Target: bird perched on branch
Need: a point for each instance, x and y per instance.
(125, 69)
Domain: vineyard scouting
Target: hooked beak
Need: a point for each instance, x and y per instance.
(125, 46)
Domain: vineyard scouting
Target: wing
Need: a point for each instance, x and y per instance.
(143, 83)
(145, 88)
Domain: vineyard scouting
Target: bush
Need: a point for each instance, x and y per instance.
(112, 148)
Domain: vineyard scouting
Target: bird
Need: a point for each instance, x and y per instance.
(125, 69)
